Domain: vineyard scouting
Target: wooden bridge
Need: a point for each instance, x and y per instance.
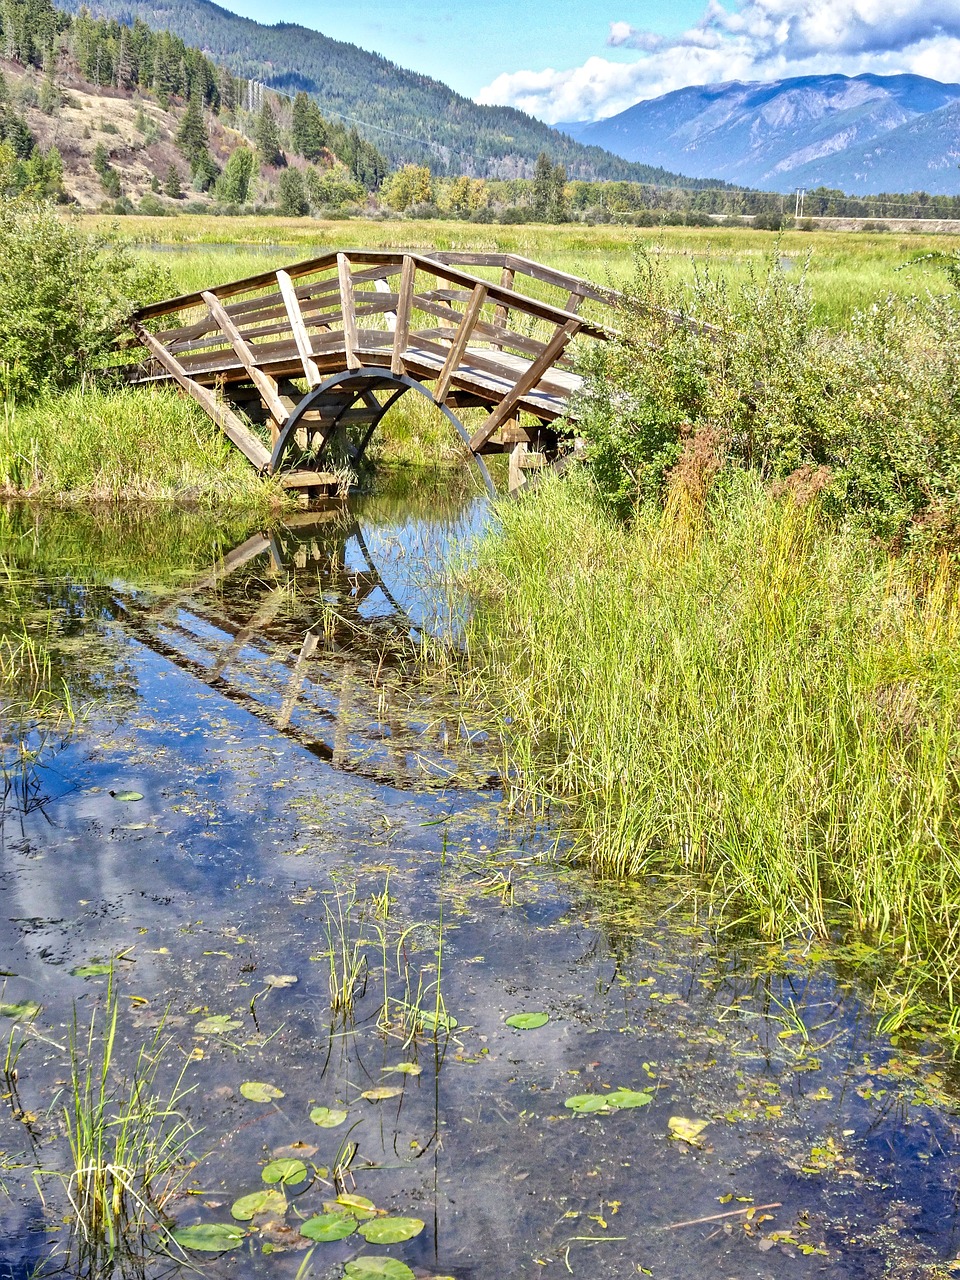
(316, 354)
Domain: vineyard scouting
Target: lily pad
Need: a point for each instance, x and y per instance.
(359, 1206)
(329, 1226)
(430, 1020)
(373, 1268)
(25, 1009)
(390, 1230)
(257, 1091)
(625, 1098)
(381, 1093)
(288, 1172)
(587, 1103)
(327, 1117)
(128, 797)
(688, 1131)
(407, 1068)
(281, 980)
(527, 1021)
(218, 1024)
(95, 969)
(210, 1237)
(249, 1206)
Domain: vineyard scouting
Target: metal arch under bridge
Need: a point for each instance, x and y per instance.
(316, 354)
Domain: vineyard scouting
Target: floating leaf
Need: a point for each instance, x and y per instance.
(95, 969)
(359, 1206)
(623, 1098)
(128, 797)
(327, 1117)
(249, 1206)
(390, 1230)
(257, 1091)
(25, 1009)
(281, 980)
(381, 1093)
(218, 1024)
(210, 1237)
(371, 1268)
(587, 1103)
(329, 1226)
(688, 1131)
(407, 1068)
(430, 1020)
(527, 1021)
(288, 1172)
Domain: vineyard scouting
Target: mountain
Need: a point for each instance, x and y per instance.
(409, 117)
(862, 134)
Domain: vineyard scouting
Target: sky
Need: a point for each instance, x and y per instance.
(564, 60)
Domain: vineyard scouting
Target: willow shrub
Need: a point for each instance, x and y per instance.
(751, 696)
(877, 403)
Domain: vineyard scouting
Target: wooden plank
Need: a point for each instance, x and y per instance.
(226, 420)
(300, 335)
(295, 682)
(502, 314)
(562, 279)
(459, 344)
(348, 306)
(401, 332)
(526, 382)
(249, 359)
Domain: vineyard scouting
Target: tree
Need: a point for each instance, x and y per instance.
(192, 140)
(333, 187)
(292, 192)
(309, 131)
(171, 183)
(410, 185)
(558, 194)
(268, 136)
(234, 186)
(543, 187)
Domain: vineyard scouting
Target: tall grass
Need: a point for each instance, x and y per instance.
(105, 443)
(751, 696)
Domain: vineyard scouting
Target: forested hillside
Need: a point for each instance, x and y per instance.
(409, 118)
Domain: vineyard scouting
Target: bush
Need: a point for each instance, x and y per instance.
(749, 381)
(64, 296)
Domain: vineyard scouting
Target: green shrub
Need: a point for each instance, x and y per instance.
(64, 296)
(749, 380)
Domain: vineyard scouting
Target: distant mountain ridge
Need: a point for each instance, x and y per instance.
(409, 117)
(863, 134)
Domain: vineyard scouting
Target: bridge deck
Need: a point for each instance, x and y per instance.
(325, 346)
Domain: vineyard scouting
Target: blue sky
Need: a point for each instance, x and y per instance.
(583, 59)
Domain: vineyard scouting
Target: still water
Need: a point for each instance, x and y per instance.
(282, 820)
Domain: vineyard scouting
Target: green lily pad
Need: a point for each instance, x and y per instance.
(327, 1117)
(382, 1093)
(390, 1230)
(406, 1068)
(587, 1103)
(95, 969)
(288, 1172)
(249, 1206)
(128, 797)
(25, 1009)
(624, 1098)
(257, 1091)
(210, 1237)
(218, 1024)
(329, 1226)
(527, 1021)
(359, 1206)
(373, 1268)
(430, 1020)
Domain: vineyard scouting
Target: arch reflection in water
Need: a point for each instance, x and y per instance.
(316, 626)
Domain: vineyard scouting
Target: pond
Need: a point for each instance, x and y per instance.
(276, 842)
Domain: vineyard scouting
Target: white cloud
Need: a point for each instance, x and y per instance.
(762, 40)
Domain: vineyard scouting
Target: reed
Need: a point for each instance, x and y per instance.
(744, 693)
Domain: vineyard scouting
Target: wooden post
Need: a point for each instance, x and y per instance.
(517, 477)
(248, 358)
(526, 382)
(241, 435)
(348, 308)
(401, 332)
(501, 316)
(307, 649)
(459, 344)
(299, 328)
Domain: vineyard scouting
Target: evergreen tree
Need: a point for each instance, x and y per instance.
(309, 128)
(268, 136)
(192, 140)
(558, 194)
(234, 186)
(171, 183)
(543, 187)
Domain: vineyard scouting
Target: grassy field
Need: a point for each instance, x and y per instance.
(846, 271)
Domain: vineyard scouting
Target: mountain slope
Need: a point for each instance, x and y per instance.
(774, 136)
(409, 117)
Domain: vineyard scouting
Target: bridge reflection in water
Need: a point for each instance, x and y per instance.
(323, 639)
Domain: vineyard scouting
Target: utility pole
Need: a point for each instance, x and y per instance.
(801, 192)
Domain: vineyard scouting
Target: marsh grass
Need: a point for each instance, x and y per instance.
(129, 1147)
(100, 443)
(739, 692)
